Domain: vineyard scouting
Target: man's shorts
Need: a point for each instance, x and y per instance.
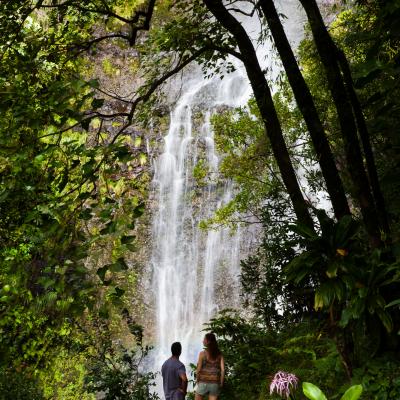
(204, 389)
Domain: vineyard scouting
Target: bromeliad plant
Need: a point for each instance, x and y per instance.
(352, 282)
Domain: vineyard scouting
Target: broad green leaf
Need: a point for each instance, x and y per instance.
(393, 303)
(353, 393)
(313, 392)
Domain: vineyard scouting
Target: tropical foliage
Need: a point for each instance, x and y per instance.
(314, 157)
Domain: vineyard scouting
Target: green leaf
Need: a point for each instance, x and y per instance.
(353, 393)
(131, 247)
(313, 392)
(345, 318)
(119, 292)
(94, 83)
(127, 239)
(123, 154)
(344, 230)
(64, 180)
(385, 319)
(85, 123)
(103, 312)
(318, 301)
(255, 366)
(118, 266)
(393, 303)
(109, 228)
(105, 214)
(139, 210)
(86, 214)
(101, 272)
(84, 195)
(109, 200)
(331, 272)
(97, 103)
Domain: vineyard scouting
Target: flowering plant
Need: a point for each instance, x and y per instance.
(283, 383)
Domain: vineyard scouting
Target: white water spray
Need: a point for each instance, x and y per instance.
(188, 262)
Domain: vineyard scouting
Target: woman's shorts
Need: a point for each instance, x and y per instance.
(204, 389)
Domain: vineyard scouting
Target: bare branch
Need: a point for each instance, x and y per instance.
(113, 96)
(157, 83)
(104, 12)
(88, 44)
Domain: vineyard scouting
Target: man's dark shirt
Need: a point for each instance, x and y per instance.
(171, 370)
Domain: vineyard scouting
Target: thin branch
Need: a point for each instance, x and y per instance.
(239, 11)
(94, 114)
(113, 96)
(88, 44)
(227, 50)
(107, 13)
(157, 83)
(63, 130)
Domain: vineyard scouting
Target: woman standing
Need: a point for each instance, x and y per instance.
(210, 370)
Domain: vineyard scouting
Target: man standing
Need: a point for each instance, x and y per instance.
(174, 375)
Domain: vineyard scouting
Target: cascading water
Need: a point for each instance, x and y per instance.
(188, 263)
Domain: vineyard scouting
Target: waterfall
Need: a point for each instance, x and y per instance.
(189, 263)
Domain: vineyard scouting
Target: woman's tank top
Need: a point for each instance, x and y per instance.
(210, 370)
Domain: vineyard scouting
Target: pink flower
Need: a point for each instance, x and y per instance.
(282, 383)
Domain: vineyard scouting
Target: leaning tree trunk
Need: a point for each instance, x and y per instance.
(266, 106)
(326, 51)
(307, 107)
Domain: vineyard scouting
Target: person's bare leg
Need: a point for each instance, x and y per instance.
(198, 397)
(210, 397)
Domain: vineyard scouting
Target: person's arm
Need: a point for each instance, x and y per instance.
(199, 364)
(222, 371)
(184, 382)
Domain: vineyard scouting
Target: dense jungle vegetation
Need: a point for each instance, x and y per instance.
(322, 291)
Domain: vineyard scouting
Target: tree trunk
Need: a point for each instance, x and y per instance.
(326, 50)
(266, 106)
(307, 107)
(366, 143)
